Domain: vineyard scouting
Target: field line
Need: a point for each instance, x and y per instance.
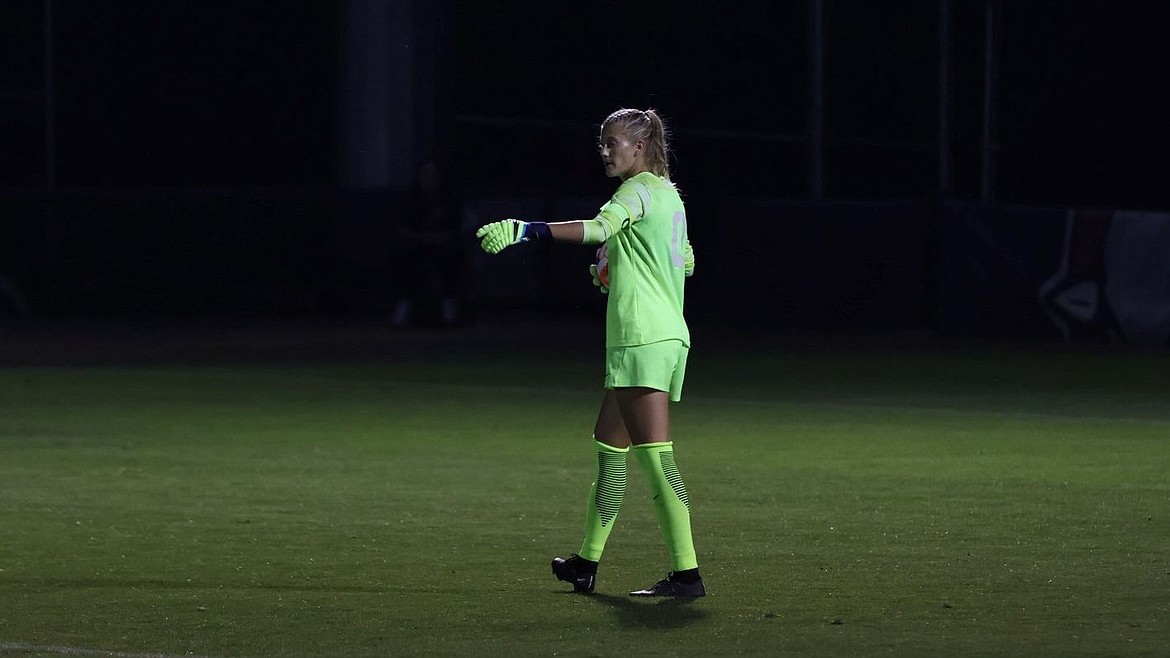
(77, 651)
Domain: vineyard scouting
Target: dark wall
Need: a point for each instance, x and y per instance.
(196, 142)
(819, 266)
(206, 93)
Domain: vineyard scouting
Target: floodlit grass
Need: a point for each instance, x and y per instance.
(855, 502)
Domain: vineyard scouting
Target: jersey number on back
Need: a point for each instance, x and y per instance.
(678, 237)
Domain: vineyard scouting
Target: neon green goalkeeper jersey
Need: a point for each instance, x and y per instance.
(647, 262)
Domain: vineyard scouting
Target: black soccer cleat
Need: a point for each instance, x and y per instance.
(569, 570)
(670, 587)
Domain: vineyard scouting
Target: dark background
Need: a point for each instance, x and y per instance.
(196, 162)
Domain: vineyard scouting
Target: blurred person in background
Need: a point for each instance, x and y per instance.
(427, 261)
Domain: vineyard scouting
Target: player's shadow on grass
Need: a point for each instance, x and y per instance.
(654, 612)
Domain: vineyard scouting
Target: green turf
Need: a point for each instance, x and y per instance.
(856, 502)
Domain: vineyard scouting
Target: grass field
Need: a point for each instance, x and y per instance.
(328, 494)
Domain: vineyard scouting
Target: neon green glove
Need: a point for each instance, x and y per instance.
(597, 280)
(500, 235)
(689, 260)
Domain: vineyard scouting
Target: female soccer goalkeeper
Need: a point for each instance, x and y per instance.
(644, 231)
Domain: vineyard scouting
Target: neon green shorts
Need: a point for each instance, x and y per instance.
(660, 366)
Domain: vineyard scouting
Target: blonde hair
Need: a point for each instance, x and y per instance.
(647, 126)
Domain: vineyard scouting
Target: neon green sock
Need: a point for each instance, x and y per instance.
(671, 504)
(605, 499)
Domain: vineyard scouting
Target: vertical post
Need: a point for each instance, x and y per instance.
(944, 99)
(816, 99)
(431, 42)
(990, 75)
(377, 132)
(50, 92)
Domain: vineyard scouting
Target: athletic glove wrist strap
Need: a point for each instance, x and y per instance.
(536, 231)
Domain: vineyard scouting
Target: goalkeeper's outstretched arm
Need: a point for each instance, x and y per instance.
(498, 236)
